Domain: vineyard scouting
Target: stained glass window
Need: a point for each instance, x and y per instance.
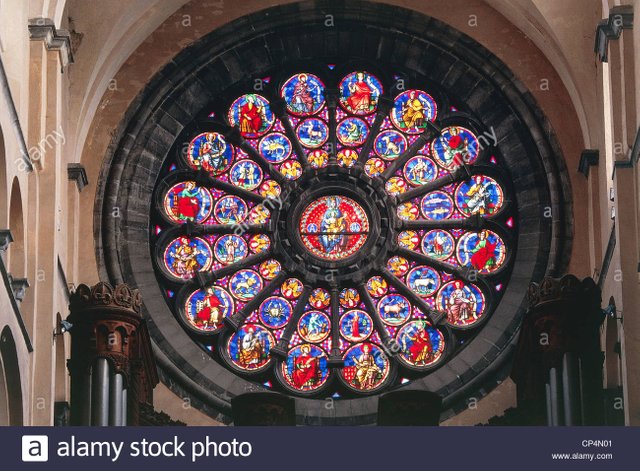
(335, 234)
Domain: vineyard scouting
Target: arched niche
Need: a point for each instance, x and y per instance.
(4, 397)
(60, 364)
(613, 367)
(12, 379)
(3, 183)
(16, 260)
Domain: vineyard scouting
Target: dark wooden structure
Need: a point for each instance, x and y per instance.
(112, 366)
(558, 365)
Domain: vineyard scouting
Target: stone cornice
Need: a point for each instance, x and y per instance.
(11, 286)
(588, 158)
(620, 17)
(633, 156)
(102, 297)
(43, 29)
(77, 173)
(6, 238)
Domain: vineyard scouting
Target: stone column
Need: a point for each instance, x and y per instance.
(110, 354)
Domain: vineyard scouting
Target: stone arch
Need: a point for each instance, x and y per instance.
(4, 397)
(16, 262)
(12, 376)
(57, 12)
(4, 196)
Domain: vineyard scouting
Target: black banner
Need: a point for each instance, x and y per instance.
(329, 449)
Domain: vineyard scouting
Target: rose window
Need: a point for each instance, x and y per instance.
(337, 235)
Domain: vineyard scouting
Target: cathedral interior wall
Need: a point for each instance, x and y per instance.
(70, 113)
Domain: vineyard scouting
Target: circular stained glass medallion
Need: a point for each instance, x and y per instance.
(306, 368)
(412, 110)
(314, 326)
(356, 325)
(437, 205)
(246, 174)
(312, 132)
(230, 210)
(187, 201)
(438, 244)
(481, 195)
(304, 94)
(252, 114)
(230, 248)
(210, 152)
(275, 147)
(248, 348)
(352, 132)
(275, 312)
(483, 251)
(421, 345)
(334, 227)
(359, 92)
(455, 146)
(366, 367)
(205, 309)
(420, 170)
(394, 309)
(390, 144)
(464, 303)
(184, 257)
